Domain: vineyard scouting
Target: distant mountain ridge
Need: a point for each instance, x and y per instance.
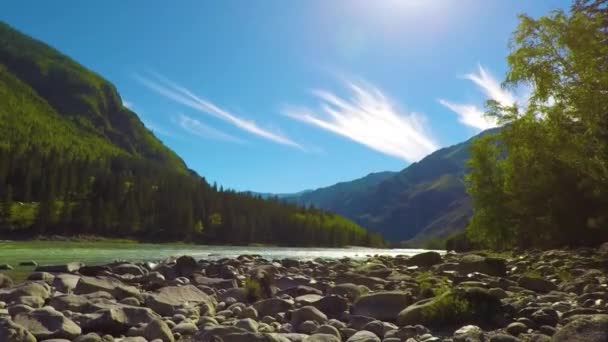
(426, 200)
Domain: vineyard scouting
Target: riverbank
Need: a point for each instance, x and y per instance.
(533, 296)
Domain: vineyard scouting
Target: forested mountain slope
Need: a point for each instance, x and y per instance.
(74, 160)
(423, 201)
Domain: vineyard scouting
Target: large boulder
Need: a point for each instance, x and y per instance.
(27, 289)
(117, 319)
(486, 265)
(110, 285)
(76, 303)
(65, 283)
(468, 305)
(384, 306)
(426, 259)
(47, 323)
(167, 300)
(13, 332)
(584, 328)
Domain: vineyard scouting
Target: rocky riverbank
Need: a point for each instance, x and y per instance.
(534, 296)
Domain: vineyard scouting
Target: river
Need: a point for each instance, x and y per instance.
(90, 253)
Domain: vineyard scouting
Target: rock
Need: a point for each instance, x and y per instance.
(185, 329)
(536, 284)
(42, 276)
(426, 259)
(158, 329)
(249, 312)
(470, 305)
(212, 333)
(384, 306)
(247, 324)
(167, 300)
(272, 306)
(46, 323)
(373, 269)
(13, 332)
(94, 271)
(327, 329)
(468, 333)
(5, 281)
(24, 289)
(65, 283)
(364, 336)
(332, 306)
(216, 283)
(307, 313)
(516, 328)
(307, 327)
(486, 265)
(117, 319)
(185, 266)
(71, 267)
(349, 290)
(127, 268)
(322, 338)
(110, 285)
(504, 338)
(299, 290)
(91, 337)
(545, 316)
(377, 327)
(587, 328)
(307, 299)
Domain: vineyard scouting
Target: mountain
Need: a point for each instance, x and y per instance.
(424, 201)
(57, 103)
(74, 160)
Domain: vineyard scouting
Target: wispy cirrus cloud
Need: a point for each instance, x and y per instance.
(194, 126)
(370, 118)
(184, 96)
(473, 115)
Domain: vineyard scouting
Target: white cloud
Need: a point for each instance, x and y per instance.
(186, 97)
(370, 118)
(198, 128)
(473, 115)
(491, 87)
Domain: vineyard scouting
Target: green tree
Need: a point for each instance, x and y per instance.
(543, 180)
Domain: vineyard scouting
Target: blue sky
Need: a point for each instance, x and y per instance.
(281, 96)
